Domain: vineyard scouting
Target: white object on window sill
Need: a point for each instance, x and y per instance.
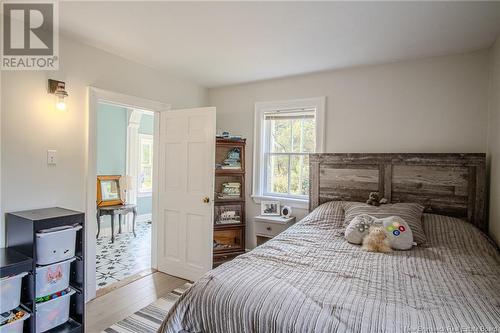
(292, 202)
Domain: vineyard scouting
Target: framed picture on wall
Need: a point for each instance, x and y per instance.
(108, 191)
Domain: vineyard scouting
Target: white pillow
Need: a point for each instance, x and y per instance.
(397, 230)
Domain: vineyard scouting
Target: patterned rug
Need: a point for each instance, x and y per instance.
(150, 318)
(127, 256)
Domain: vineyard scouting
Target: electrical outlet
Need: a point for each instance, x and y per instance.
(51, 157)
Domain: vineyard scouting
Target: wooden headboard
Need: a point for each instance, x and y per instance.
(446, 184)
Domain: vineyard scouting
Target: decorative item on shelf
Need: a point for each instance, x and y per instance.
(270, 208)
(58, 88)
(219, 246)
(232, 161)
(224, 135)
(230, 191)
(286, 211)
(227, 215)
(227, 135)
(108, 191)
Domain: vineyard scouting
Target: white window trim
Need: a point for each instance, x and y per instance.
(140, 193)
(261, 108)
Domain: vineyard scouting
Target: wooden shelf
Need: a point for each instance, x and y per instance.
(228, 201)
(224, 232)
(228, 226)
(229, 172)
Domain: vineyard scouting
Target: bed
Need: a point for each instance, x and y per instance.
(309, 279)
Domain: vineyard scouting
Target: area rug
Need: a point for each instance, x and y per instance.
(149, 318)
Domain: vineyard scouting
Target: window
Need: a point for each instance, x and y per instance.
(286, 133)
(146, 164)
(290, 137)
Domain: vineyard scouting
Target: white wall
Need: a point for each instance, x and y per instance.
(494, 142)
(431, 105)
(30, 125)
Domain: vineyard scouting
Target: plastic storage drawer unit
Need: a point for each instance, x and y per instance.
(55, 244)
(10, 292)
(53, 313)
(15, 326)
(52, 278)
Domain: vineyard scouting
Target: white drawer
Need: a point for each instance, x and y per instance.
(268, 228)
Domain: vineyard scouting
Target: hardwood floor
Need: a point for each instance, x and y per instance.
(118, 304)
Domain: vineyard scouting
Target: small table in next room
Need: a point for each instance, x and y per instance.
(112, 211)
(266, 227)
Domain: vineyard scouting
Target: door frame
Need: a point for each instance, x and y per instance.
(94, 97)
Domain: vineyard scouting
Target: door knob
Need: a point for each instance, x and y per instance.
(206, 199)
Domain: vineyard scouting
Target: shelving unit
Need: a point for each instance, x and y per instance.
(13, 263)
(229, 228)
(21, 237)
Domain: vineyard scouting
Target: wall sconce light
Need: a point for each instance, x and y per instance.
(58, 88)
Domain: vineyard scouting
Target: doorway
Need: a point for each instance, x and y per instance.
(182, 184)
(124, 151)
(96, 98)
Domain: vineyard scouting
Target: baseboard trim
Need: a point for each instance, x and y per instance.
(143, 218)
(118, 284)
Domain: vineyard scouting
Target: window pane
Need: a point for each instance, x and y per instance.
(146, 166)
(309, 136)
(281, 136)
(146, 178)
(146, 153)
(277, 174)
(299, 174)
(296, 135)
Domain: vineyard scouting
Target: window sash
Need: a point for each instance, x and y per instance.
(269, 117)
(288, 194)
(267, 151)
(145, 141)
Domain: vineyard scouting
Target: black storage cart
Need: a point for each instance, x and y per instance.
(13, 263)
(21, 237)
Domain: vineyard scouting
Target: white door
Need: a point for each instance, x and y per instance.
(186, 164)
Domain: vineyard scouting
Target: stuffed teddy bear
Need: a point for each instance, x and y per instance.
(373, 199)
(376, 240)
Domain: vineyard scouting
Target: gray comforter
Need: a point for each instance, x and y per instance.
(309, 279)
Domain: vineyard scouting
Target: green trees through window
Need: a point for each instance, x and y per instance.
(290, 137)
(146, 163)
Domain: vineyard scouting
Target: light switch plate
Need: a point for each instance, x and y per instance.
(51, 157)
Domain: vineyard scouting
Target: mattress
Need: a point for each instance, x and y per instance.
(309, 279)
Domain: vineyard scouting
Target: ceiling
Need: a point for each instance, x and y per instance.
(222, 43)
